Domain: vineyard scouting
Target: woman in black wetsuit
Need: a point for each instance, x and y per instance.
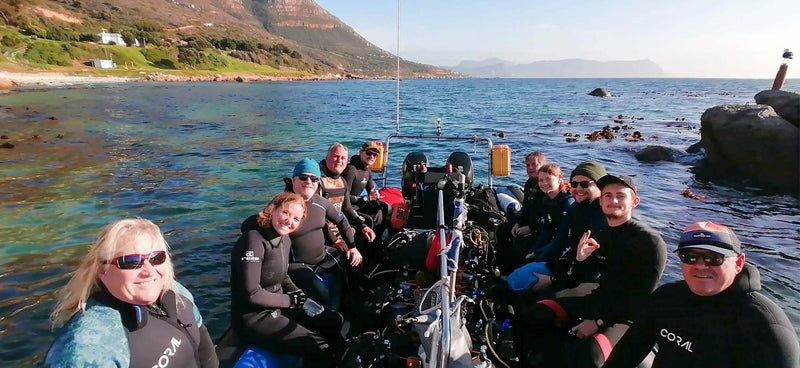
(268, 310)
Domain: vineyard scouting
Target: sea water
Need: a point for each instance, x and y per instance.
(198, 158)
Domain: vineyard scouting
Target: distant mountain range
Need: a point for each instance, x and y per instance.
(567, 68)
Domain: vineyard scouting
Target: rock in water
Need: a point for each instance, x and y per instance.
(752, 142)
(786, 104)
(656, 153)
(600, 92)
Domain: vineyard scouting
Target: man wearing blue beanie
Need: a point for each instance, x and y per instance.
(306, 166)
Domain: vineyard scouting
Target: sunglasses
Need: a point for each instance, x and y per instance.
(371, 154)
(583, 184)
(710, 259)
(134, 261)
(304, 177)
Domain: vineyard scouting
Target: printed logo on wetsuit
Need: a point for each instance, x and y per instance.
(364, 181)
(677, 339)
(249, 256)
(163, 360)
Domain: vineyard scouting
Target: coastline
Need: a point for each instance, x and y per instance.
(65, 79)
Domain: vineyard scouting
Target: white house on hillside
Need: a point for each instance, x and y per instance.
(103, 63)
(107, 38)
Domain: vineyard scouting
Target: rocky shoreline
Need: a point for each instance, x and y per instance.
(10, 79)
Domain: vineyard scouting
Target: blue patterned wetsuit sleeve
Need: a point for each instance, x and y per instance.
(95, 338)
(183, 291)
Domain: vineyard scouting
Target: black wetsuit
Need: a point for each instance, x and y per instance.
(583, 216)
(511, 251)
(631, 259)
(737, 328)
(259, 305)
(551, 239)
(359, 178)
(111, 332)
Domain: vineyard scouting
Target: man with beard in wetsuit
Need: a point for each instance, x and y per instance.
(358, 177)
(715, 317)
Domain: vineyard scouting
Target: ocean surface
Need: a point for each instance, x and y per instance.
(198, 158)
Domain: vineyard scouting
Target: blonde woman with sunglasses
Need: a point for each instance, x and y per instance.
(123, 308)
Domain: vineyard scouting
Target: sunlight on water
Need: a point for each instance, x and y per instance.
(197, 158)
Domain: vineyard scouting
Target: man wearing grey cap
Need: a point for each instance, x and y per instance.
(715, 317)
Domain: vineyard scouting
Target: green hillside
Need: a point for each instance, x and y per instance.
(293, 38)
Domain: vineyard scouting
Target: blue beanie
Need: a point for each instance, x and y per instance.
(306, 165)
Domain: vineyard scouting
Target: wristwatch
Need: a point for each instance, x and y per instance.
(600, 323)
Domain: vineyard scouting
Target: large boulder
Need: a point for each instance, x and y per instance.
(600, 92)
(785, 103)
(752, 142)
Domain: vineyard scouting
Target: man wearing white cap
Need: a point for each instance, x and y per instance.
(715, 317)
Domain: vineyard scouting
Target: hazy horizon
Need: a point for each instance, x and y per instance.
(709, 39)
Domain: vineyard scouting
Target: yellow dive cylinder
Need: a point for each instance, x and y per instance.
(501, 160)
(380, 162)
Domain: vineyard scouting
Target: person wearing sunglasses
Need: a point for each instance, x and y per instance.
(584, 214)
(314, 265)
(358, 177)
(715, 316)
(122, 307)
(629, 256)
(268, 309)
(334, 188)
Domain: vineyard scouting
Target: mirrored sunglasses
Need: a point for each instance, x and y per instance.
(710, 259)
(134, 261)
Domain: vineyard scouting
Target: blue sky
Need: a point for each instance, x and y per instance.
(697, 38)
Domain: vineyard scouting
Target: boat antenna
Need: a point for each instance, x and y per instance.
(397, 108)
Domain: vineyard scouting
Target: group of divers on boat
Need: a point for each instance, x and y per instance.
(337, 272)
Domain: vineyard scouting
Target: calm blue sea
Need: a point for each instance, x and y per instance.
(198, 158)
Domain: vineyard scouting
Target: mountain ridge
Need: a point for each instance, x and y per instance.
(563, 68)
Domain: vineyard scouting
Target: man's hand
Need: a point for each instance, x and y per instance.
(374, 195)
(586, 246)
(543, 282)
(584, 329)
(354, 256)
(368, 233)
(519, 231)
(340, 245)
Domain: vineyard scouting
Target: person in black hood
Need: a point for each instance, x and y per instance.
(715, 317)
(358, 177)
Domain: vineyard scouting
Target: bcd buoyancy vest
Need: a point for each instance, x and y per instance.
(333, 189)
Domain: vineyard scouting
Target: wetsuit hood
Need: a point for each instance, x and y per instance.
(748, 280)
(326, 172)
(355, 160)
(251, 223)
